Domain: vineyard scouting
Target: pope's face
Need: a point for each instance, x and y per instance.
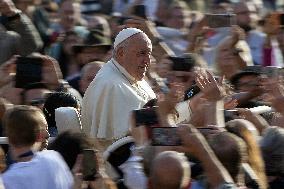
(137, 56)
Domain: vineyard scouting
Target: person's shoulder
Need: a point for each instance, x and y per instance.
(257, 34)
(48, 154)
(107, 76)
(16, 170)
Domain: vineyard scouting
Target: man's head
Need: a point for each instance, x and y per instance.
(179, 17)
(88, 73)
(231, 155)
(67, 14)
(163, 11)
(246, 81)
(34, 94)
(88, 53)
(246, 15)
(169, 170)
(24, 126)
(132, 50)
(272, 148)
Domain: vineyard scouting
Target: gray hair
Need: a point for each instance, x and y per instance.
(123, 45)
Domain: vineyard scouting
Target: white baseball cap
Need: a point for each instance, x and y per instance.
(125, 34)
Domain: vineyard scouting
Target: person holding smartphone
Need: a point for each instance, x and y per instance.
(23, 40)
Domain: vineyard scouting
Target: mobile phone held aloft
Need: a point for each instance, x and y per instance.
(220, 20)
(146, 116)
(165, 136)
(29, 70)
(89, 164)
(192, 91)
(182, 63)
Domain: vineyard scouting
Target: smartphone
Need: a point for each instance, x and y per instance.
(282, 20)
(165, 136)
(220, 20)
(140, 11)
(182, 63)
(271, 71)
(257, 69)
(89, 164)
(277, 18)
(28, 70)
(146, 116)
(230, 115)
(192, 91)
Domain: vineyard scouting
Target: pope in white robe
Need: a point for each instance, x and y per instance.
(110, 98)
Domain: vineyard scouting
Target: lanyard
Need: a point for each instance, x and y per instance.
(26, 154)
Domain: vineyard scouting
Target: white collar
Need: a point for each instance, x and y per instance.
(130, 78)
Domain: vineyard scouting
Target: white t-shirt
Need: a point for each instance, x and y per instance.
(47, 170)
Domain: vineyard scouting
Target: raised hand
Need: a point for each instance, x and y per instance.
(8, 8)
(7, 71)
(211, 89)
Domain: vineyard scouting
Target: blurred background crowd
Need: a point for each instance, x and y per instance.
(232, 76)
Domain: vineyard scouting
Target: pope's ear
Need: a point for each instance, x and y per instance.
(120, 52)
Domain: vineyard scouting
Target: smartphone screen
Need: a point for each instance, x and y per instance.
(182, 64)
(271, 71)
(282, 20)
(89, 164)
(220, 20)
(165, 136)
(29, 70)
(146, 116)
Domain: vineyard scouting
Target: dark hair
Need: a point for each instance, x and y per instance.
(57, 100)
(236, 78)
(22, 125)
(38, 85)
(69, 144)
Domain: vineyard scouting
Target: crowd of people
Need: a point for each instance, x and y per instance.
(142, 94)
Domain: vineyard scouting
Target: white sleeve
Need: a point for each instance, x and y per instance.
(184, 112)
(134, 177)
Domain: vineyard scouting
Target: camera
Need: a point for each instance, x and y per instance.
(89, 164)
(146, 116)
(220, 20)
(182, 63)
(28, 70)
(165, 136)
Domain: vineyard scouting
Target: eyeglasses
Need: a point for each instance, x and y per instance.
(37, 102)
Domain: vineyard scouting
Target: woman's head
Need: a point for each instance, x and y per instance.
(56, 100)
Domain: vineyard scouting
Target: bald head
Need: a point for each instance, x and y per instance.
(247, 16)
(170, 170)
(88, 73)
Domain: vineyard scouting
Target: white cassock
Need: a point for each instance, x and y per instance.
(109, 99)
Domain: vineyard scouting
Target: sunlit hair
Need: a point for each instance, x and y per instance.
(23, 124)
(255, 160)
